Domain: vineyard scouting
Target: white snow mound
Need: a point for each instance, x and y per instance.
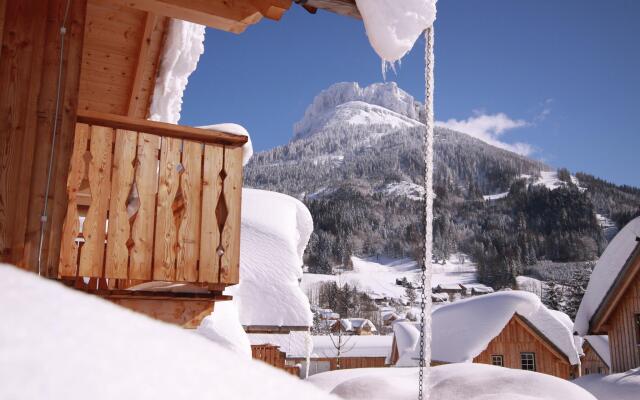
(605, 273)
(58, 343)
(394, 26)
(447, 382)
(623, 386)
(235, 129)
(275, 231)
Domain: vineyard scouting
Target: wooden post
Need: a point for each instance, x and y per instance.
(22, 37)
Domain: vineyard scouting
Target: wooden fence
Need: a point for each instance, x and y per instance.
(149, 201)
(272, 355)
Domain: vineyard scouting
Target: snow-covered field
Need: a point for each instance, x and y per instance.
(623, 386)
(549, 179)
(377, 276)
(448, 382)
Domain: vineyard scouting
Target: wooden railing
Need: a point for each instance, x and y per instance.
(150, 201)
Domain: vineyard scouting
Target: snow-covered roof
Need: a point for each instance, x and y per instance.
(448, 382)
(623, 386)
(600, 344)
(407, 335)
(462, 330)
(58, 343)
(275, 231)
(604, 275)
(353, 346)
(295, 344)
(350, 324)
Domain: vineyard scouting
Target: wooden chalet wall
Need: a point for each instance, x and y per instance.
(349, 362)
(625, 351)
(591, 363)
(272, 355)
(30, 35)
(517, 337)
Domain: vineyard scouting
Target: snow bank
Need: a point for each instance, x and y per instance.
(223, 327)
(448, 382)
(600, 344)
(623, 386)
(57, 343)
(275, 231)
(393, 26)
(353, 346)
(605, 273)
(407, 335)
(182, 50)
(462, 330)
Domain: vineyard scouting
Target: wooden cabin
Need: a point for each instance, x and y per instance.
(92, 193)
(455, 291)
(353, 326)
(520, 345)
(596, 358)
(618, 315)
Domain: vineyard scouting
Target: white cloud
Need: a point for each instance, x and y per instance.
(490, 128)
(544, 112)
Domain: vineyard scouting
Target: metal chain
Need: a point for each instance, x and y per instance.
(425, 293)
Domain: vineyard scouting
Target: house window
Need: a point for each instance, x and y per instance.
(528, 361)
(497, 360)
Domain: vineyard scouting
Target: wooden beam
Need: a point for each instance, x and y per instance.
(233, 16)
(185, 313)
(136, 81)
(272, 9)
(160, 128)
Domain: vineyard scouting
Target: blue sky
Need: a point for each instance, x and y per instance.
(559, 80)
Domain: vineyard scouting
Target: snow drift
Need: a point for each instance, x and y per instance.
(623, 386)
(275, 231)
(57, 343)
(447, 382)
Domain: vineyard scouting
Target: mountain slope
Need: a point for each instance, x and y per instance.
(356, 160)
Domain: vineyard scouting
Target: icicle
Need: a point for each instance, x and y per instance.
(428, 177)
(309, 347)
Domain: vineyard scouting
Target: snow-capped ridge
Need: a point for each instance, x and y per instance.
(387, 95)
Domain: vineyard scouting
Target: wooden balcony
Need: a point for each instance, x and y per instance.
(153, 210)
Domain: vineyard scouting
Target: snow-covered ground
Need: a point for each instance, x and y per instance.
(377, 276)
(58, 343)
(549, 179)
(404, 189)
(496, 196)
(448, 382)
(623, 386)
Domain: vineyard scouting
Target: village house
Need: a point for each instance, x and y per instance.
(454, 291)
(354, 352)
(596, 358)
(353, 326)
(611, 304)
(511, 329)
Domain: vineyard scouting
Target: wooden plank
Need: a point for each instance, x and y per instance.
(210, 231)
(230, 237)
(144, 220)
(185, 313)
(160, 128)
(121, 185)
(22, 45)
(3, 10)
(64, 144)
(92, 253)
(137, 81)
(166, 238)
(189, 231)
(69, 247)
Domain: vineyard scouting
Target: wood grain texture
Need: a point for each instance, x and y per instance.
(189, 225)
(71, 228)
(122, 175)
(591, 362)
(230, 237)
(210, 232)
(623, 332)
(166, 238)
(514, 339)
(142, 230)
(92, 253)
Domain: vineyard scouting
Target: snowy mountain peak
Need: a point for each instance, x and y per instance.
(386, 95)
